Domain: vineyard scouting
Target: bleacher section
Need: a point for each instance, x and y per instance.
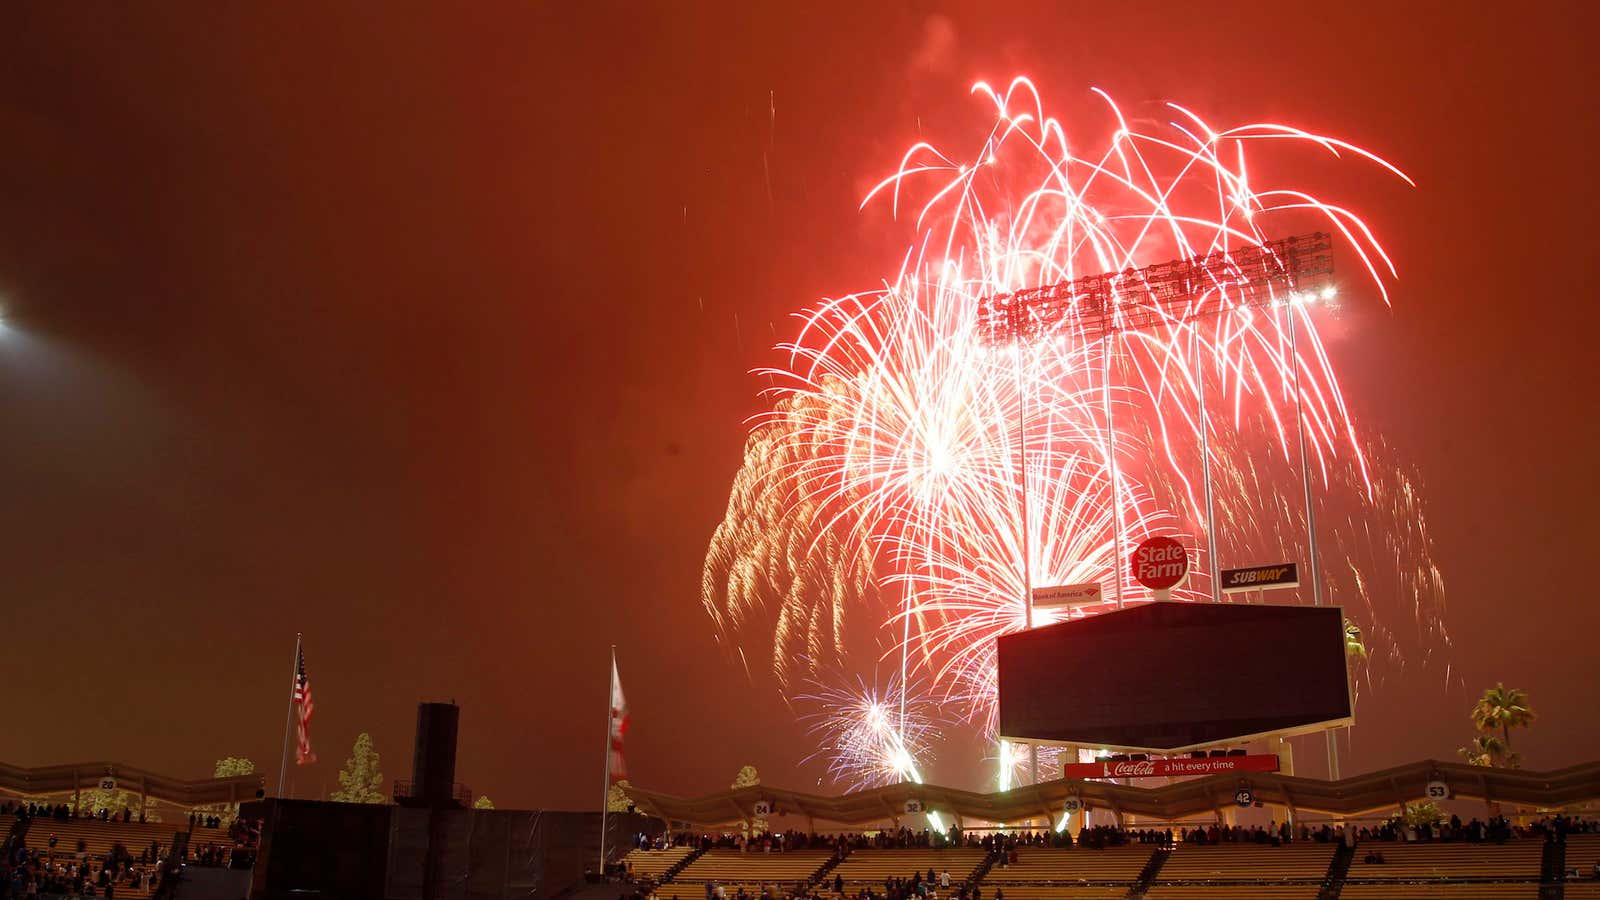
(1418, 862)
(1449, 871)
(1247, 871)
(1487, 890)
(863, 868)
(1056, 891)
(733, 869)
(1583, 851)
(653, 864)
(1161, 891)
(1042, 874)
(100, 837)
(1296, 871)
(1302, 861)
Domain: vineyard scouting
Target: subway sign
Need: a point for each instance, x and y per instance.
(1260, 578)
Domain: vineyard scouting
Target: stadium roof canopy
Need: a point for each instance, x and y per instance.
(1384, 789)
(86, 776)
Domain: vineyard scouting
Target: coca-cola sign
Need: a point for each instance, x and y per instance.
(1159, 768)
(1160, 563)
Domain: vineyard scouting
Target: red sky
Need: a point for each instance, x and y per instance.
(425, 331)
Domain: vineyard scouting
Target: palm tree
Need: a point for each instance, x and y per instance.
(1482, 751)
(1503, 708)
(1353, 645)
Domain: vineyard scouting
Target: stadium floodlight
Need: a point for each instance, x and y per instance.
(1171, 293)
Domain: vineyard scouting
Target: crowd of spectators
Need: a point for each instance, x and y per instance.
(63, 812)
(1496, 830)
(1004, 845)
(45, 872)
(40, 866)
(1003, 848)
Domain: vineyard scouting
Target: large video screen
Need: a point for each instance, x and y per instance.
(1168, 676)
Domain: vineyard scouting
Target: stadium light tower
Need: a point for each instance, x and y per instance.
(1100, 307)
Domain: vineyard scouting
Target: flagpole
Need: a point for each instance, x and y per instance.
(288, 718)
(605, 785)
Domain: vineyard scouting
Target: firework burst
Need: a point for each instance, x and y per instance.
(870, 737)
(914, 480)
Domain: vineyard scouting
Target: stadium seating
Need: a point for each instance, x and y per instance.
(1483, 890)
(1303, 861)
(655, 863)
(1057, 891)
(1076, 865)
(1447, 871)
(871, 867)
(1233, 892)
(1582, 890)
(1583, 851)
(1422, 862)
(1296, 871)
(100, 837)
(733, 869)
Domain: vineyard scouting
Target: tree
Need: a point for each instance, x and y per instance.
(361, 780)
(1353, 645)
(617, 800)
(1484, 750)
(229, 766)
(1421, 815)
(1502, 708)
(748, 777)
(483, 802)
(93, 800)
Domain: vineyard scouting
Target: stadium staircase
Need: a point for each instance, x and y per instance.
(172, 869)
(1338, 868)
(680, 865)
(983, 869)
(821, 875)
(1152, 868)
(1553, 871)
(16, 833)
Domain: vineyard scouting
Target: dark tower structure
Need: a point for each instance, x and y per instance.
(433, 766)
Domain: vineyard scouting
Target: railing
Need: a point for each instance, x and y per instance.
(407, 790)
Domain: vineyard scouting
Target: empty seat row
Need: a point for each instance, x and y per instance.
(734, 866)
(1486, 890)
(1295, 862)
(654, 863)
(1416, 862)
(1076, 864)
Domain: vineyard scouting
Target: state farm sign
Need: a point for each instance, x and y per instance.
(1157, 768)
(1160, 563)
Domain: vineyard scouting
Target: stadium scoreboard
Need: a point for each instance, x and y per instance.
(1168, 677)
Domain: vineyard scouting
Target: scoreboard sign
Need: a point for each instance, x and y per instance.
(1159, 563)
(1066, 596)
(1158, 768)
(1260, 578)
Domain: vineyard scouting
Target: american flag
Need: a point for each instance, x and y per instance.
(304, 707)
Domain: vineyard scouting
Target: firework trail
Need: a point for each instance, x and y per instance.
(885, 491)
